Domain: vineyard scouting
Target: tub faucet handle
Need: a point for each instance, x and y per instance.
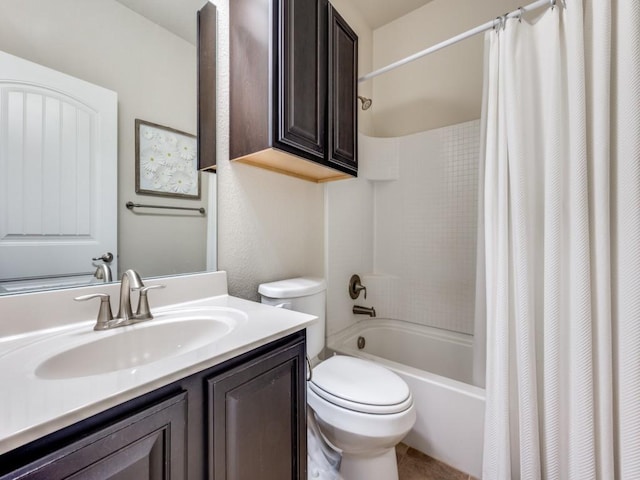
(355, 287)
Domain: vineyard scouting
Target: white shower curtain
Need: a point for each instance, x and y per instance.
(562, 234)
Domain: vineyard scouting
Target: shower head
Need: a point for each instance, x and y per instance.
(366, 102)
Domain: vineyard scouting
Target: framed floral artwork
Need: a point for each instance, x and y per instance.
(166, 161)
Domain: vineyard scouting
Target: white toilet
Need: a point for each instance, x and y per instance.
(362, 409)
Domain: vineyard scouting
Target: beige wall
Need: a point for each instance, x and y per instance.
(154, 74)
(270, 226)
(441, 89)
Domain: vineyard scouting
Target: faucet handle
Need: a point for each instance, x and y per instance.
(355, 287)
(143, 312)
(104, 314)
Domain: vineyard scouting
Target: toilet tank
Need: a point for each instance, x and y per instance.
(303, 294)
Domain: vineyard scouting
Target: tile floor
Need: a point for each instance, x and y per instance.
(415, 465)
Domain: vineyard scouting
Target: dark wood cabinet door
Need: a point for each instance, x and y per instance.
(300, 94)
(257, 425)
(207, 43)
(281, 93)
(343, 93)
(147, 445)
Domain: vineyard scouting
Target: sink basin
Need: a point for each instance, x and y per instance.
(123, 348)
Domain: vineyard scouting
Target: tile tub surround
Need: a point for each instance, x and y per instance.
(407, 224)
(425, 229)
(34, 407)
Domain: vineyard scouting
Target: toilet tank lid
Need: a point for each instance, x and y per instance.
(293, 287)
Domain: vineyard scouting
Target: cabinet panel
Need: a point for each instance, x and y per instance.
(249, 70)
(343, 92)
(301, 68)
(144, 458)
(207, 48)
(147, 445)
(257, 426)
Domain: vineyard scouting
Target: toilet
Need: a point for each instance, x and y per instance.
(362, 409)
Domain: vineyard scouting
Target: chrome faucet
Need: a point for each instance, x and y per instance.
(130, 281)
(358, 310)
(103, 272)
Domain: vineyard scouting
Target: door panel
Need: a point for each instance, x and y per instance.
(58, 171)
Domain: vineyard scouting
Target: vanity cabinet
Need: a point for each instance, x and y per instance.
(257, 412)
(293, 89)
(146, 445)
(240, 420)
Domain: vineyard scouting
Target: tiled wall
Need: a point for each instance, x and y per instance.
(349, 245)
(407, 226)
(425, 229)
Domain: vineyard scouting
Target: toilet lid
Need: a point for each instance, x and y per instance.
(360, 385)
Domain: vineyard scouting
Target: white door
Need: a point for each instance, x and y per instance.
(58, 172)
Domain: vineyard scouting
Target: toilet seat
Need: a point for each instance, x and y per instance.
(357, 426)
(360, 385)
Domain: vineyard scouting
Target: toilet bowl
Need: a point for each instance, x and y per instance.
(362, 409)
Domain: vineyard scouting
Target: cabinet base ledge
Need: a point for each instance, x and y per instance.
(291, 165)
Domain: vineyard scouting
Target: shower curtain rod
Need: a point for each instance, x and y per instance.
(469, 33)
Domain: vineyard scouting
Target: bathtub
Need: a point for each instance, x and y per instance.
(437, 366)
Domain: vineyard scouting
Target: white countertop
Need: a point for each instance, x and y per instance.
(31, 407)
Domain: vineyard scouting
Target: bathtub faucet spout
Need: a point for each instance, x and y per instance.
(358, 310)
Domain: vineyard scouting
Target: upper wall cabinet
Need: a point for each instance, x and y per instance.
(207, 38)
(293, 68)
(343, 92)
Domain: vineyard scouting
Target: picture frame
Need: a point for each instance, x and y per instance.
(166, 161)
